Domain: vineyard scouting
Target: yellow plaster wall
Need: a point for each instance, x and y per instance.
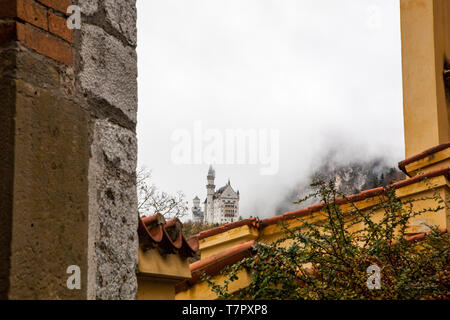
(150, 288)
(201, 291)
(172, 266)
(159, 273)
(421, 190)
(425, 48)
(222, 241)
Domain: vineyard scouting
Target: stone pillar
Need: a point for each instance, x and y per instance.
(68, 141)
(426, 50)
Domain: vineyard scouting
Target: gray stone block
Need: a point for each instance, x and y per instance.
(122, 15)
(88, 7)
(115, 248)
(109, 70)
(119, 146)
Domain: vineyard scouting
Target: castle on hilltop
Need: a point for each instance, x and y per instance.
(221, 206)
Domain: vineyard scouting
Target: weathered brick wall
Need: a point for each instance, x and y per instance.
(69, 102)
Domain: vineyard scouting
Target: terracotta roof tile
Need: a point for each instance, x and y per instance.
(402, 165)
(216, 263)
(155, 232)
(421, 236)
(431, 174)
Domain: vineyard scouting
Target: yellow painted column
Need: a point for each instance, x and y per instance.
(425, 49)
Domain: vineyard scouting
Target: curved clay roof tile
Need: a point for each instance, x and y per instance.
(155, 232)
(151, 229)
(190, 247)
(173, 237)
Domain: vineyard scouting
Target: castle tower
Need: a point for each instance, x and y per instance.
(210, 188)
(196, 202)
(197, 214)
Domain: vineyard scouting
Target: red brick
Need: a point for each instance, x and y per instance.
(60, 5)
(58, 26)
(45, 43)
(32, 13)
(26, 10)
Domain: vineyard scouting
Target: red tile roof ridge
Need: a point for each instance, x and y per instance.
(201, 264)
(444, 171)
(153, 225)
(419, 236)
(422, 235)
(402, 164)
(173, 231)
(155, 232)
(173, 222)
(172, 243)
(189, 247)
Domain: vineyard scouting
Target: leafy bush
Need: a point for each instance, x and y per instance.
(327, 259)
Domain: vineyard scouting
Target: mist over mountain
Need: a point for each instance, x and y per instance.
(350, 178)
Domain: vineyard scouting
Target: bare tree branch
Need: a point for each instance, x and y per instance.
(151, 200)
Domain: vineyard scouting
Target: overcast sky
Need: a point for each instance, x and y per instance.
(311, 74)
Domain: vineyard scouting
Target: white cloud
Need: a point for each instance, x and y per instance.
(316, 70)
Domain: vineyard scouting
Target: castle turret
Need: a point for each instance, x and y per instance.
(196, 202)
(210, 189)
(210, 178)
(197, 213)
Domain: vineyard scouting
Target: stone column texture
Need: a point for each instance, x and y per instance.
(68, 139)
